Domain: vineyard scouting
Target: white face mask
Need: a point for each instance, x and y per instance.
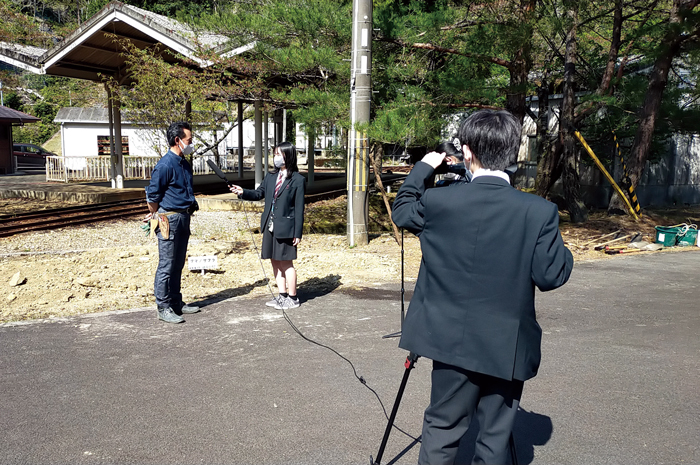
(278, 161)
(187, 149)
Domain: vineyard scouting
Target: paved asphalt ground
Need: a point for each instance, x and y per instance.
(619, 382)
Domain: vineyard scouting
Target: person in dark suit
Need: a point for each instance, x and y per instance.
(282, 221)
(473, 308)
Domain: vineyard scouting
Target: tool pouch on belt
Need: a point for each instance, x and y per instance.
(164, 226)
(160, 221)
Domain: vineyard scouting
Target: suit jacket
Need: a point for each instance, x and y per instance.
(485, 247)
(289, 206)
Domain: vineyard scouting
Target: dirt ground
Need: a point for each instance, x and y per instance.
(111, 265)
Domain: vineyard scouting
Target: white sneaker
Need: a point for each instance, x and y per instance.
(287, 303)
(274, 302)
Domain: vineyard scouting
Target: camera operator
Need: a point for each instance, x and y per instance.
(473, 309)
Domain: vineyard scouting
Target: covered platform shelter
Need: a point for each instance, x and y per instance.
(9, 118)
(93, 52)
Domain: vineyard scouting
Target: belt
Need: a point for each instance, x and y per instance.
(172, 212)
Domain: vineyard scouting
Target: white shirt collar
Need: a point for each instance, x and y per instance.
(485, 172)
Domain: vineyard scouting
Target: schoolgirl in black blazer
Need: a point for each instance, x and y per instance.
(282, 221)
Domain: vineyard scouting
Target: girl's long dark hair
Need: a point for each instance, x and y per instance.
(289, 152)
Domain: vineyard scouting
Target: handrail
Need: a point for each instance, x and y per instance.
(97, 168)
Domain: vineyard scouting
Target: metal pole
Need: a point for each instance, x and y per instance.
(311, 155)
(116, 106)
(360, 96)
(112, 151)
(240, 139)
(265, 146)
(258, 144)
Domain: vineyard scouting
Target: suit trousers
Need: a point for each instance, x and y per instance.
(456, 396)
(171, 260)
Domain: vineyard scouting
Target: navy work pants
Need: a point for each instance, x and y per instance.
(171, 260)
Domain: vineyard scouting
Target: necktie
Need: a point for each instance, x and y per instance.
(279, 183)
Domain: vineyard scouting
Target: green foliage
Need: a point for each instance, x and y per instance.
(12, 100)
(467, 57)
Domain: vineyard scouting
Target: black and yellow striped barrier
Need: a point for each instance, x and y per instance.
(606, 174)
(627, 182)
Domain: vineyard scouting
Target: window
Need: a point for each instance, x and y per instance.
(103, 143)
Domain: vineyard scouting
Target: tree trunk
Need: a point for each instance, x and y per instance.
(377, 152)
(570, 178)
(515, 99)
(544, 147)
(670, 46)
(519, 67)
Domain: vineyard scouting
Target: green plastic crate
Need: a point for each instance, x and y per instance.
(667, 235)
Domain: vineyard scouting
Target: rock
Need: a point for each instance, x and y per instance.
(224, 248)
(17, 279)
(88, 282)
(11, 297)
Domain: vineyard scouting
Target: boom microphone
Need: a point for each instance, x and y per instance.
(218, 171)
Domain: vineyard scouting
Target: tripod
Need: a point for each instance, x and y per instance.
(409, 364)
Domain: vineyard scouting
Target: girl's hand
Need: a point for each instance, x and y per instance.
(296, 241)
(236, 189)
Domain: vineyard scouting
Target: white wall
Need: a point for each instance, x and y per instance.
(80, 139)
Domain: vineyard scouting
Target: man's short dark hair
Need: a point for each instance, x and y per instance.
(493, 138)
(177, 129)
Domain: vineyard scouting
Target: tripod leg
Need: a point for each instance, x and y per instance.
(513, 451)
(410, 362)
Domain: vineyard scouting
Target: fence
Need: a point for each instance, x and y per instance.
(96, 168)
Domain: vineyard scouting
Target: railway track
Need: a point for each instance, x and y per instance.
(18, 223)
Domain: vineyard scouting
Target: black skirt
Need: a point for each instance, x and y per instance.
(277, 249)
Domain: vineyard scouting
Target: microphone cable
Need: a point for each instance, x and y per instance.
(361, 379)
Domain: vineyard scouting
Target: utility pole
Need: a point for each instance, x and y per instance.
(358, 147)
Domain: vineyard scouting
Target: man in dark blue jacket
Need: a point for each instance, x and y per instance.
(170, 194)
(473, 309)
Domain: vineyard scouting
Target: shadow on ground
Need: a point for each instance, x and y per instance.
(229, 293)
(318, 287)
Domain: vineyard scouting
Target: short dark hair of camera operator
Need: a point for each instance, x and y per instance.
(176, 129)
(493, 138)
(473, 305)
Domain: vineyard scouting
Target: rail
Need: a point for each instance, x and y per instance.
(97, 168)
(70, 216)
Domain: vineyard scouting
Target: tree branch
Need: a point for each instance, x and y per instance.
(426, 46)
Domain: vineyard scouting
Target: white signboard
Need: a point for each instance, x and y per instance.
(207, 262)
